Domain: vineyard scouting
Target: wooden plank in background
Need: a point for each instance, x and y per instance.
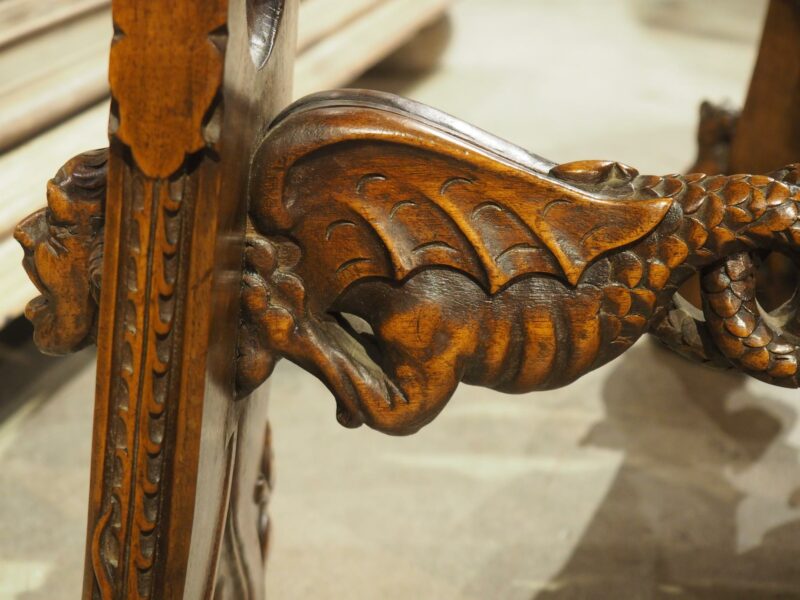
(49, 77)
(23, 176)
(321, 18)
(348, 52)
(17, 290)
(22, 18)
(25, 170)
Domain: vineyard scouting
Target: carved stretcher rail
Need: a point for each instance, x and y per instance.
(394, 251)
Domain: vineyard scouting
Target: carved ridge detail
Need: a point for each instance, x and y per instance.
(138, 401)
(570, 267)
(155, 188)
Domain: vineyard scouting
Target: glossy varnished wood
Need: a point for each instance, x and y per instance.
(392, 250)
(179, 481)
(472, 260)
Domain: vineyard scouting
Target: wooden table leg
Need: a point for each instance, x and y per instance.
(194, 86)
(768, 133)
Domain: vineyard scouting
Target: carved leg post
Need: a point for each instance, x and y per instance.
(392, 251)
(193, 84)
(178, 472)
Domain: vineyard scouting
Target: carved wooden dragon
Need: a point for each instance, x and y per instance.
(395, 252)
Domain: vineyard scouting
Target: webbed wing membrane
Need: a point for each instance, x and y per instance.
(579, 230)
(390, 192)
(392, 219)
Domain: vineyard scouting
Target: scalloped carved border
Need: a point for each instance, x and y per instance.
(160, 144)
(131, 507)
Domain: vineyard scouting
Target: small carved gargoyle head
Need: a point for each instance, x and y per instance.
(63, 246)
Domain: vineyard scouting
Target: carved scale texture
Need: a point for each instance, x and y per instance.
(711, 218)
(738, 328)
(560, 332)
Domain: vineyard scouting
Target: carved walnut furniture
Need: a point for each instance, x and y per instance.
(386, 247)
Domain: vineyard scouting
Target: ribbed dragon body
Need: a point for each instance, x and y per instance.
(468, 265)
(560, 331)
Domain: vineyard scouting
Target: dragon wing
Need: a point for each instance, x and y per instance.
(391, 193)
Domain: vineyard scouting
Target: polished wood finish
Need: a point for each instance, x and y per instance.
(178, 475)
(473, 260)
(465, 258)
(392, 250)
(63, 255)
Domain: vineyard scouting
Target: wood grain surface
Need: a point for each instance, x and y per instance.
(464, 258)
(392, 250)
(180, 472)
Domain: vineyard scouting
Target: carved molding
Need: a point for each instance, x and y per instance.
(139, 395)
(161, 215)
(162, 149)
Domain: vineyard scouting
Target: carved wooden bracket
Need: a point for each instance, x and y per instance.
(397, 252)
(394, 252)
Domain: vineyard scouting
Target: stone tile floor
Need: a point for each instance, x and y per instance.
(649, 478)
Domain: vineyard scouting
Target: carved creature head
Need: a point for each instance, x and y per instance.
(63, 246)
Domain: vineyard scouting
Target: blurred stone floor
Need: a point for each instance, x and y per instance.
(649, 478)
